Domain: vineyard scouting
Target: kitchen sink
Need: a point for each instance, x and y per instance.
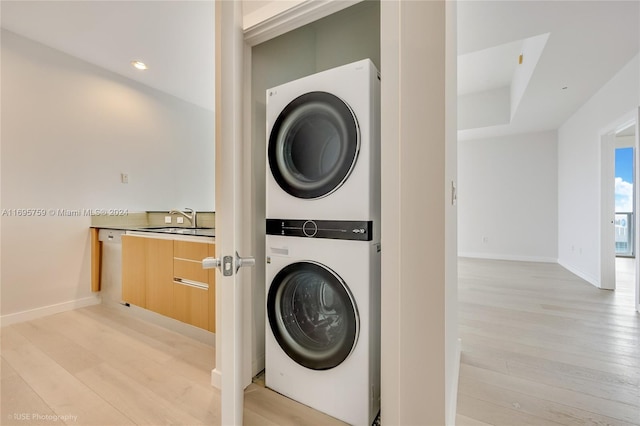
(179, 230)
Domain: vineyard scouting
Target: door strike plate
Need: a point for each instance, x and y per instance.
(227, 266)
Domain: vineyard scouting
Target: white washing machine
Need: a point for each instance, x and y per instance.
(323, 146)
(322, 342)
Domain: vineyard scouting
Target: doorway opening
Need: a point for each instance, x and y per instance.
(619, 217)
(624, 199)
(625, 212)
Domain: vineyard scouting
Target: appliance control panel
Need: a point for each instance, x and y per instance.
(332, 229)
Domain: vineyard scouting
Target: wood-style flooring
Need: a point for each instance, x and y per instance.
(539, 347)
(542, 347)
(99, 366)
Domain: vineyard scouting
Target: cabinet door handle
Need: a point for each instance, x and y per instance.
(191, 283)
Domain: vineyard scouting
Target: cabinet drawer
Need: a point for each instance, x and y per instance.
(190, 270)
(191, 305)
(190, 250)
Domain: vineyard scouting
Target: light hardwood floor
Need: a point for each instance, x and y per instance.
(542, 347)
(539, 346)
(99, 366)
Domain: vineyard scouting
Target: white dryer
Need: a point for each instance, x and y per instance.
(323, 146)
(322, 343)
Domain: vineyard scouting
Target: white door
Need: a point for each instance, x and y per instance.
(230, 281)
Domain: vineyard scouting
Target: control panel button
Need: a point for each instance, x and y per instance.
(310, 229)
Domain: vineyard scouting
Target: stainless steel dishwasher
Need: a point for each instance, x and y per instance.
(111, 274)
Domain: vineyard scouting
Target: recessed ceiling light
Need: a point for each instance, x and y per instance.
(139, 65)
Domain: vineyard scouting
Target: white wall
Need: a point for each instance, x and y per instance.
(484, 109)
(507, 197)
(579, 170)
(68, 130)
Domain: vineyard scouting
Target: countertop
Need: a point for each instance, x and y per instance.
(165, 230)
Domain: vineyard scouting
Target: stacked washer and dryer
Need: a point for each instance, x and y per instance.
(322, 344)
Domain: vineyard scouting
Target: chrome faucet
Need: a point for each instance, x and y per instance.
(192, 218)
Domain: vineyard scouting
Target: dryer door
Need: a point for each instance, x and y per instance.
(313, 145)
(312, 315)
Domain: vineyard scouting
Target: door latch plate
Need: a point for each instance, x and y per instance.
(227, 266)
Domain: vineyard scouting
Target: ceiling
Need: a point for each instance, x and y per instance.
(579, 45)
(587, 43)
(174, 38)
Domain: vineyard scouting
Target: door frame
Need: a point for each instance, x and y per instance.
(403, 402)
(619, 145)
(275, 21)
(238, 226)
(636, 205)
(607, 201)
(607, 211)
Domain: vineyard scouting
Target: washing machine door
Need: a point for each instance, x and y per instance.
(312, 315)
(313, 145)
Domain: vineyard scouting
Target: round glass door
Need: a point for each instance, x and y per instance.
(313, 145)
(312, 315)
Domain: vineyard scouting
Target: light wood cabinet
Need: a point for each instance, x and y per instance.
(166, 276)
(147, 273)
(194, 287)
(134, 270)
(191, 305)
(159, 255)
(96, 259)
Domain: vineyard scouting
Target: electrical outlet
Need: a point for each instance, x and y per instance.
(179, 219)
(124, 177)
(167, 219)
(485, 240)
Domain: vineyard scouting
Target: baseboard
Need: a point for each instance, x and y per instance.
(44, 311)
(257, 366)
(453, 395)
(594, 281)
(216, 378)
(196, 333)
(517, 258)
